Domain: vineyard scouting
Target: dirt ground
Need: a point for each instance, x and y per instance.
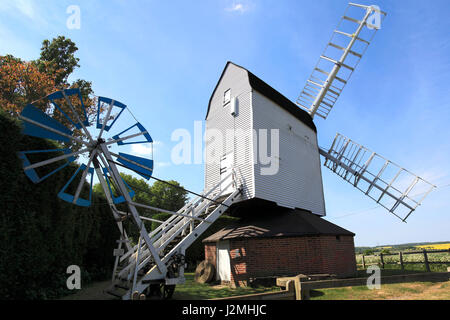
(93, 291)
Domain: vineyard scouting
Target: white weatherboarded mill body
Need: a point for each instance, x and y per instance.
(242, 113)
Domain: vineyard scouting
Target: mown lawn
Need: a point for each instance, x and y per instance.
(192, 290)
(399, 291)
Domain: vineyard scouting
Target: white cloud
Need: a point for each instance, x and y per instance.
(24, 8)
(141, 149)
(145, 149)
(237, 7)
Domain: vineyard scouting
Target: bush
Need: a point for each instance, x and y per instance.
(41, 235)
(369, 252)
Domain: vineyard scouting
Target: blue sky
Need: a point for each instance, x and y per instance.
(163, 59)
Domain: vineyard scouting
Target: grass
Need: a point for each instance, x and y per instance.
(192, 290)
(398, 291)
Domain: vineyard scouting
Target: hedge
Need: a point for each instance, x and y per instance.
(41, 235)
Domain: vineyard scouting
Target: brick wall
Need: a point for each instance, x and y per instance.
(210, 253)
(265, 257)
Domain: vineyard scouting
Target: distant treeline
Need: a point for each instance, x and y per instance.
(396, 247)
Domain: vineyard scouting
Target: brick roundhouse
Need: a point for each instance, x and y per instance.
(287, 243)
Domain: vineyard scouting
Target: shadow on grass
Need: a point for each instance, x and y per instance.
(192, 290)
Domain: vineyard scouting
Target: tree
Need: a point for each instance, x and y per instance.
(168, 196)
(369, 252)
(23, 82)
(58, 59)
(142, 191)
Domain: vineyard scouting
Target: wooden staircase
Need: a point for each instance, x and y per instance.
(135, 270)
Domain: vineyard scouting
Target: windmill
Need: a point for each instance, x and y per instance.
(156, 263)
(393, 187)
(282, 186)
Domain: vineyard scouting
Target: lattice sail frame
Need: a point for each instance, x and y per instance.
(158, 256)
(341, 56)
(393, 187)
(65, 115)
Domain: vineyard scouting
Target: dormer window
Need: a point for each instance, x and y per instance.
(226, 97)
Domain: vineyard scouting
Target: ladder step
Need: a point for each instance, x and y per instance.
(315, 83)
(322, 71)
(343, 49)
(169, 237)
(351, 36)
(351, 19)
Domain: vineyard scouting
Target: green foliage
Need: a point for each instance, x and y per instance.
(368, 252)
(168, 197)
(192, 290)
(41, 235)
(58, 58)
(142, 191)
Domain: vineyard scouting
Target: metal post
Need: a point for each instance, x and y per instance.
(123, 189)
(138, 256)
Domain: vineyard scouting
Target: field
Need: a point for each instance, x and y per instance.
(439, 246)
(391, 261)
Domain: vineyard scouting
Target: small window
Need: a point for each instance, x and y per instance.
(338, 238)
(226, 97)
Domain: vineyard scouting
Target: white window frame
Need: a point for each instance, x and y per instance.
(225, 100)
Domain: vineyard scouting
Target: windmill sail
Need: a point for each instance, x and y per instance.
(391, 186)
(340, 58)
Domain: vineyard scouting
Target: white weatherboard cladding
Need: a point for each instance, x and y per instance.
(298, 183)
(220, 118)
